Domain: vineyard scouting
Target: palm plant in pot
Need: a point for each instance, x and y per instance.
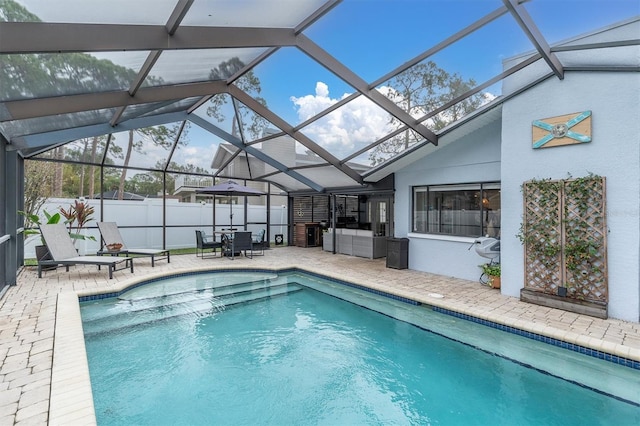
(42, 252)
(77, 217)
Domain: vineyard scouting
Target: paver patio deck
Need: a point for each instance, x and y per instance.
(39, 315)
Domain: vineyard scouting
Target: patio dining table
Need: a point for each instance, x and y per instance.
(226, 236)
(222, 233)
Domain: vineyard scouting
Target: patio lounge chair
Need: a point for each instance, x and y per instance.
(64, 253)
(111, 235)
(202, 244)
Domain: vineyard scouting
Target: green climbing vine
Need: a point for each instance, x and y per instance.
(563, 232)
(581, 246)
(540, 232)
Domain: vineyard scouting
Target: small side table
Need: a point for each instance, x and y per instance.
(115, 253)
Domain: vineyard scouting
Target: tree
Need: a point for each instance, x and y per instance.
(144, 184)
(151, 182)
(457, 86)
(24, 76)
(34, 75)
(80, 179)
(10, 11)
(58, 154)
(252, 124)
(163, 136)
(86, 171)
(92, 169)
(38, 178)
(419, 90)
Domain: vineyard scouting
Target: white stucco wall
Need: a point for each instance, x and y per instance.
(502, 151)
(614, 152)
(474, 157)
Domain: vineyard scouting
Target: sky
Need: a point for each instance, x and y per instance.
(372, 38)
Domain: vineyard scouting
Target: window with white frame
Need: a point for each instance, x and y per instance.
(468, 210)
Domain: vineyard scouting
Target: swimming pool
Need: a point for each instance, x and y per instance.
(267, 348)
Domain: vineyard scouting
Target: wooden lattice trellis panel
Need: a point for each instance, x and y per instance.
(565, 246)
(543, 257)
(586, 276)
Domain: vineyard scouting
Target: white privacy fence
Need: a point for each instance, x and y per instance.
(140, 222)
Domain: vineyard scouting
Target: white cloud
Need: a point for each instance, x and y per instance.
(488, 97)
(199, 156)
(344, 131)
(310, 105)
(190, 150)
(352, 126)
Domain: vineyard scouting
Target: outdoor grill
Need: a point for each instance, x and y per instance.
(487, 247)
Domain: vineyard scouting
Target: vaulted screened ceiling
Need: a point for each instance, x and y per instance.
(308, 94)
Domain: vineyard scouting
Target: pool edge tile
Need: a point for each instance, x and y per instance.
(71, 400)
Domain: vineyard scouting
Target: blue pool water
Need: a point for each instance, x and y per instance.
(260, 348)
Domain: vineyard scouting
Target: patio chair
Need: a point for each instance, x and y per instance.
(202, 244)
(111, 235)
(241, 242)
(64, 253)
(258, 243)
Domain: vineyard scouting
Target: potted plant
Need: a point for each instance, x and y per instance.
(80, 214)
(492, 271)
(77, 217)
(42, 252)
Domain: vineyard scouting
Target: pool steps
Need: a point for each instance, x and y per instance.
(197, 282)
(163, 296)
(148, 310)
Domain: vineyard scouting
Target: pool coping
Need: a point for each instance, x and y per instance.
(71, 399)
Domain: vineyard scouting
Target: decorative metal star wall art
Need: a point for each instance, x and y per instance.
(562, 130)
